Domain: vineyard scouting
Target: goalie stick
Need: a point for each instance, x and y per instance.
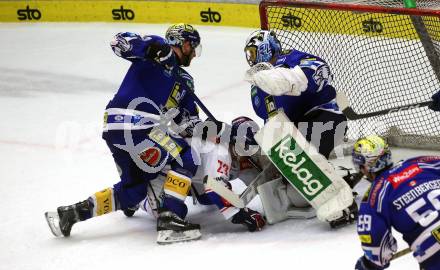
(348, 111)
(401, 253)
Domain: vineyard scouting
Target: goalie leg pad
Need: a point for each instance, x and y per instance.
(276, 198)
(303, 167)
(333, 209)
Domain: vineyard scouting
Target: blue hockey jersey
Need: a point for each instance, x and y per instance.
(407, 199)
(318, 95)
(148, 89)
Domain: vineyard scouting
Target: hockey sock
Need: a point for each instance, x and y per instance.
(103, 202)
(176, 189)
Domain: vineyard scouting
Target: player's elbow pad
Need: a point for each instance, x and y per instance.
(281, 81)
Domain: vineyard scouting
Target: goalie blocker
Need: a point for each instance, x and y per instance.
(307, 171)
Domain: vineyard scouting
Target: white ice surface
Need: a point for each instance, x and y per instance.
(55, 80)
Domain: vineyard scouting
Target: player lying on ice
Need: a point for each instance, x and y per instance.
(217, 163)
(404, 197)
(155, 92)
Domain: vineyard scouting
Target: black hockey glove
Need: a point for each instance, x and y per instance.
(349, 215)
(251, 219)
(211, 130)
(352, 179)
(364, 264)
(435, 106)
(162, 54)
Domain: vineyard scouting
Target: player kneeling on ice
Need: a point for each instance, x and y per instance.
(154, 92)
(298, 85)
(404, 197)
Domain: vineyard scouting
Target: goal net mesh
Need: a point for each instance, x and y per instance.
(376, 55)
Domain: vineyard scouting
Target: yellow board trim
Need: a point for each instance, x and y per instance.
(378, 25)
(199, 13)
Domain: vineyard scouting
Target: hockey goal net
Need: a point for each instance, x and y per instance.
(382, 55)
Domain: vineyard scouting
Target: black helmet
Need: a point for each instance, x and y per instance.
(178, 33)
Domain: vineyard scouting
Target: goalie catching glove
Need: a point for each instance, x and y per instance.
(277, 81)
(253, 220)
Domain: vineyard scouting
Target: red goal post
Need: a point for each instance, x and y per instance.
(382, 55)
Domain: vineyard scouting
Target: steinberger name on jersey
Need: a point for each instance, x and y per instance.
(415, 193)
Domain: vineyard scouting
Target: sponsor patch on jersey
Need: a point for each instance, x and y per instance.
(404, 175)
(105, 119)
(271, 107)
(376, 188)
(161, 138)
(256, 101)
(151, 156)
(177, 94)
(436, 234)
(365, 238)
(177, 185)
(365, 197)
(428, 158)
(412, 183)
(254, 91)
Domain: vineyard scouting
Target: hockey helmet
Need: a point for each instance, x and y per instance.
(244, 127)
(261, 46)
(372, 153)
(178, 33)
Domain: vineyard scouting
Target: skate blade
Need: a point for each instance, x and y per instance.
(169, 236)
(53, 220)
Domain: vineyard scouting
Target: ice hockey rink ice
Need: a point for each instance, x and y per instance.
(55, 81)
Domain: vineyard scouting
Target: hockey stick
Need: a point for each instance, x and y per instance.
(251, 190)
(224, 192)
(348, 111)
(211, 116)
(400, 253)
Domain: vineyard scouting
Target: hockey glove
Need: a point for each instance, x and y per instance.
(162, 54)
(251, 219)
(364, 264)
(435, 106)
(212, 130)
(349, 216)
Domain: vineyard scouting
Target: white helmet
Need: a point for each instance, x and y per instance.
(261, 46)
(372, 153)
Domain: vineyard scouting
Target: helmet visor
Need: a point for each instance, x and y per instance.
(198, 50)
(251, 54)
(358, 161)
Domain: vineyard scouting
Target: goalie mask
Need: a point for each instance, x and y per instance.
(261, 46)
(371, 153)
(177, 34)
